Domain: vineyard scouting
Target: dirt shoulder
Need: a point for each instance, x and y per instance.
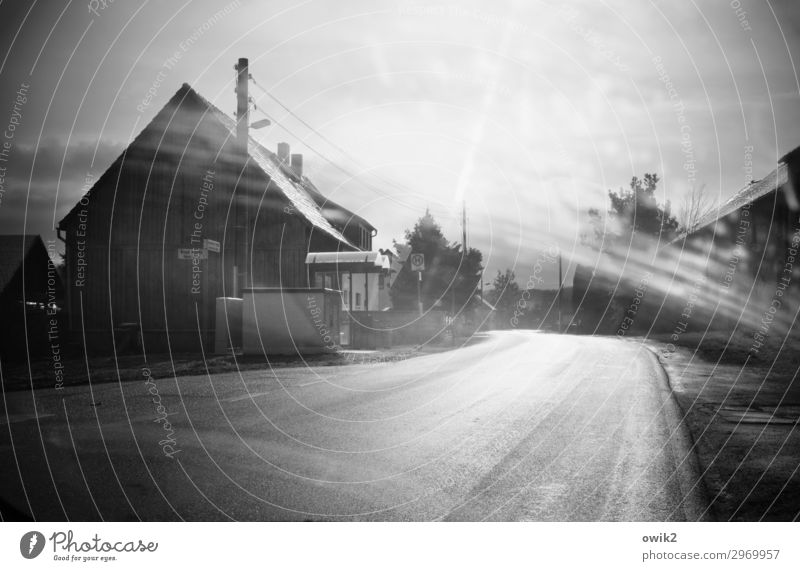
(79, 370)
(743, 413)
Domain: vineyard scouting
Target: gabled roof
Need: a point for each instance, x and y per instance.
(775, 180)
(334, 212)
(294, 190)
(298, 190)
(13, 249)
(749, 194)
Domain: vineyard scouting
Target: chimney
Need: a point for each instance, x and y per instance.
(297, 164)
(242, 115)
(283, 153)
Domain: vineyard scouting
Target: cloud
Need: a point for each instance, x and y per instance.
(578, 104)
(49, 178)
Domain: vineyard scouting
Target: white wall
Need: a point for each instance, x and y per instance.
(361, 288)
(279, 322)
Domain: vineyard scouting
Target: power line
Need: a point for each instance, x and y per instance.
(349, 174)
(338, 148)
(324, 138)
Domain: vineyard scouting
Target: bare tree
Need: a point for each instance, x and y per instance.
(695, 206)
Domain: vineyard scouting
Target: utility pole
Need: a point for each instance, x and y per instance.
(560, 284)
(464, 226)
(463, 254)
(419, 291)
(242, 119)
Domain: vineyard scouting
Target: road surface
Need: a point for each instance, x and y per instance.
(522, 426)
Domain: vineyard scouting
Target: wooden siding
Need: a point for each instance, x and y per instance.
(146, 206)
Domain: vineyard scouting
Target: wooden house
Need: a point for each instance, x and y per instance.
(194, 209)
(744, 256)
(738, 267)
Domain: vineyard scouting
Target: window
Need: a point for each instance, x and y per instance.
(358, 299)
(345, 287)
(366, 238)
(323, 279)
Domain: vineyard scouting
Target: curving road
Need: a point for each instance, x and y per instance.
(522, 425)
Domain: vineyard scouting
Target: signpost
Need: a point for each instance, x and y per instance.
(192, 253)
(418, 265)
(211, 245)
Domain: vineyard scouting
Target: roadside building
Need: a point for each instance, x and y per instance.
(480, 316)
(31, 293)
(361, 278)
(744, 254)
(736, 268)
(193, 210)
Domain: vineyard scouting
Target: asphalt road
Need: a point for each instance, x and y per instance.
(521, 426)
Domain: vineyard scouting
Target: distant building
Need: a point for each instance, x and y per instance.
(397, 260)
(480, 316)
(192, 210)
(30, 295)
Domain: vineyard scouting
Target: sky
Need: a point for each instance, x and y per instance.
(524, 112)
